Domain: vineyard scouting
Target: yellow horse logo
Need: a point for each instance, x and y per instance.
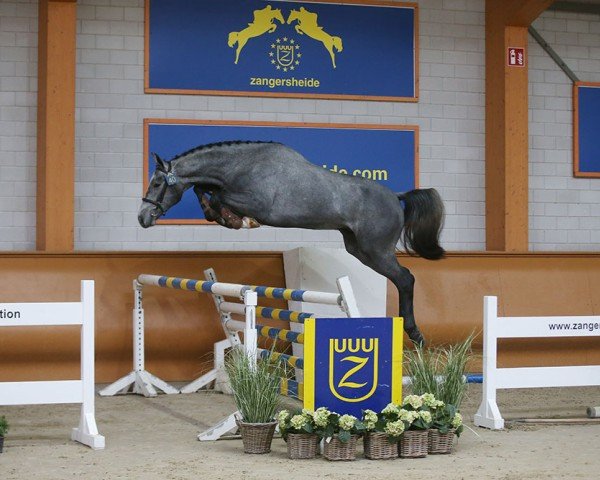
(307, 24)
(262, 23)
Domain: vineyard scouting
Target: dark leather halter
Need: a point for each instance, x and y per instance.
(170, 180)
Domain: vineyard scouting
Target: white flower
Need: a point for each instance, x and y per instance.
(298, 421)
(370, 416)
(408, 416)
(413, 400)
(308, 414)
(394, 428)
(428, 399)
(282, 416)
(457, 420)
(321, 417)
(347, 422)
(425, 416)
(370, 419)
(390, 409)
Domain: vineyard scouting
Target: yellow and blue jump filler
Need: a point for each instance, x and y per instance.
(351, 364)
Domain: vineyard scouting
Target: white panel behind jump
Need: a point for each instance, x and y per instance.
(309, 268)
(494, 378)
(62, 391)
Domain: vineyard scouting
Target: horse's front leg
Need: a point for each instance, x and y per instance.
(273, 27)
(210, 213)
(299, 30)
(332, 55)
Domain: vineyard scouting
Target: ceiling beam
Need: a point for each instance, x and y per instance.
(576, 7)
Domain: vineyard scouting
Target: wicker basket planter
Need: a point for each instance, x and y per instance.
(302, 445)
(336, 450)
(440, 443)
(257, 437)
(378, 447)
(414, 443)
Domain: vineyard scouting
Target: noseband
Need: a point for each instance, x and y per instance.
(170, 180)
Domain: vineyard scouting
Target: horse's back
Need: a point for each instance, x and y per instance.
(280, 187)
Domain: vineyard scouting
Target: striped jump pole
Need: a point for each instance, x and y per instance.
(237, 290)
(266, 312)
(268, 332)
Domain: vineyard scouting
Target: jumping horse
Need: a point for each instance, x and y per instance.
(247, 184)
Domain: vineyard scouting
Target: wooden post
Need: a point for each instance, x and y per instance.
(506, 124)
(56, 125)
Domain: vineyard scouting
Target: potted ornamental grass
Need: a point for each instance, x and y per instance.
(340, 433)
(440, 371)
(382, 433)
(255, 385)
(3, 429)
(298, 430)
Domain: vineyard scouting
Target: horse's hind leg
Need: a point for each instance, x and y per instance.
(383, 261)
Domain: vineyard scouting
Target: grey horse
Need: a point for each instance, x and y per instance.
(247, 184)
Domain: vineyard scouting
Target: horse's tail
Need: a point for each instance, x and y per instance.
(423, 222)
(233, 37)
(337, 43)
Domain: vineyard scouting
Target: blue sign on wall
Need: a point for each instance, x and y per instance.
(586, 142)
(351, 364)
(358, 49)
(384, 153)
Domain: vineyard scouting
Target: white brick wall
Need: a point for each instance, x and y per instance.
(564, 211)
(18, 86)
(111, 106)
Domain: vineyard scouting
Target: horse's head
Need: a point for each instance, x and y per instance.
(277, 15)
(294, 15)
(164, 191)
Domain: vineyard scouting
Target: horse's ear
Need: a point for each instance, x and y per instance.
(160, 163)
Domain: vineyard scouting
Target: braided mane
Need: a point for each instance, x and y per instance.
(228, 143)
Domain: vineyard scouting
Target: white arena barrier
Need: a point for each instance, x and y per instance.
(494, 327)
(61, 391)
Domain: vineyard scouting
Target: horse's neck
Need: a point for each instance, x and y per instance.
(196, 167)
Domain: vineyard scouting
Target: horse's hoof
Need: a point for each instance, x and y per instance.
(417, 338)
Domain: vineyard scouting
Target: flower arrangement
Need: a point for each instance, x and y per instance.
(382, 433)
(387, 421)
(328, 424)
(415, 412)
(446, 418)
(298, 430)
(297, 421)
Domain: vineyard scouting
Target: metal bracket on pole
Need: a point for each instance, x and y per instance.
(139, 380)
(553, 55)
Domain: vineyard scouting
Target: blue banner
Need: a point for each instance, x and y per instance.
(351, 364)
(587, 119)
(386, 154)
(279, 48)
